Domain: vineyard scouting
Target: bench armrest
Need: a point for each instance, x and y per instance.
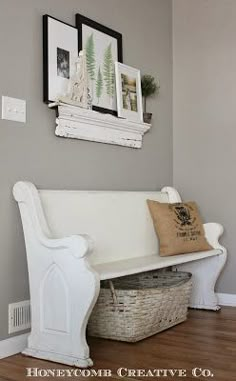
(35, 224)
(79, 245)
(213, 231)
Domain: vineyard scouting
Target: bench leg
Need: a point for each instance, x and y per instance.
(205, 274)
(61, 303)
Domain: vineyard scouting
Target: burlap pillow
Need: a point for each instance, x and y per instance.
(179, 227)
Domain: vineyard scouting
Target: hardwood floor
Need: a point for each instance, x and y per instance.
(207, 340)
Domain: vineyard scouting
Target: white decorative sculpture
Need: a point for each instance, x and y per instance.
(77, 94)
(76, 119)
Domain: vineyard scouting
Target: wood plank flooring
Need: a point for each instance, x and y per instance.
(207, 340)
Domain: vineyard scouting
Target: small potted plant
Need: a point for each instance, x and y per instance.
(150, 86)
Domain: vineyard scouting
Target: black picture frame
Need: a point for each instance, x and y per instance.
(82, 20)
(46, 82)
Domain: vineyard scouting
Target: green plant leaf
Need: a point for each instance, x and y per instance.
(99, 84)
(90, 56)
(108, 71)
(149, 85)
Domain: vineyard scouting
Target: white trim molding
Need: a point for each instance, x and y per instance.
(78, 123)
(13, 345)
(227, 299)
(17, 344)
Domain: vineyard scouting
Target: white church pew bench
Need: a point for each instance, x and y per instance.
(75, 239)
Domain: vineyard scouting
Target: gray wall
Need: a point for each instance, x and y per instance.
(204, 100)
(32, 152)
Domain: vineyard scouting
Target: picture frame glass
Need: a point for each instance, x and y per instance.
(103, 47)
(101, 54)
(60, 53)
(129, 93)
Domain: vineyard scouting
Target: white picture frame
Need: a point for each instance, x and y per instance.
(128, 93)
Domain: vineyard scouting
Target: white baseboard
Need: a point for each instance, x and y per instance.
(17, 344)
(13, 345)
(227, 299)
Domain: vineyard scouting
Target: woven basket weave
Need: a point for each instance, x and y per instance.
(134, 307)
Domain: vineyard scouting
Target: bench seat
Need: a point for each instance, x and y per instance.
(136, 265)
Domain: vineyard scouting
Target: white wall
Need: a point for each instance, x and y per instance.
(204, 76)
(33, 152)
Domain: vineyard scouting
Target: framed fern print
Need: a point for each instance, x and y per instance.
(103, 47)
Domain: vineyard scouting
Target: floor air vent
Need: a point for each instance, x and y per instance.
(18, 316)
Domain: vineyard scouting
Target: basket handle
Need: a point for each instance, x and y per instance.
(113, 292)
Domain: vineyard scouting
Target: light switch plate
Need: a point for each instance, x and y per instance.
(14, 109)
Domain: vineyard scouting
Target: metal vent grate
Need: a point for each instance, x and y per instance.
(19, 316)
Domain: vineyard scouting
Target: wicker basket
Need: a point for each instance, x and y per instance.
(135, 307)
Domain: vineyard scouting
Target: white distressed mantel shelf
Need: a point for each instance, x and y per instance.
(78, 123)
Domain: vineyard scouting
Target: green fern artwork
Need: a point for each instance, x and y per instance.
(108, 71)
(101, 51)
(90, 57)
(99, 85)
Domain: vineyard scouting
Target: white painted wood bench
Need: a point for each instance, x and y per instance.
(116, 238)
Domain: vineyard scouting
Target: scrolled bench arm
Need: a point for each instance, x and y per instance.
(213, 232)
(63, 285)
(26, 194)
(79, 245)
(173, 194)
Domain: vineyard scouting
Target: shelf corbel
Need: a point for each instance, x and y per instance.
(79, 123)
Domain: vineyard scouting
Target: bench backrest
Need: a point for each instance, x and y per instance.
(118, 222)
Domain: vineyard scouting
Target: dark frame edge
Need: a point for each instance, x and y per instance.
(45, 59)
(79, 20)
(45, 55)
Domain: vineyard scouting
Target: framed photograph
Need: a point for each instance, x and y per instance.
(60, 49)
(128, 92)
(103, 48)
